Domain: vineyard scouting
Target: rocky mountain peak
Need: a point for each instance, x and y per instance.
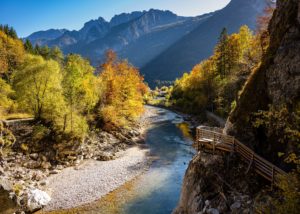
(94, 29)
(125, 17)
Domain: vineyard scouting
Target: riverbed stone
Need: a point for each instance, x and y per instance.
(32, 164)
(34, 156)
(37, 199)
(213, 211)
(46, 165)
(235, 206)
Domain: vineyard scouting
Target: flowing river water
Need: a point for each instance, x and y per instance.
(156, 191)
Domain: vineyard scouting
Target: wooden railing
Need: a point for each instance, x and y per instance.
(212, 139)
(9, 123)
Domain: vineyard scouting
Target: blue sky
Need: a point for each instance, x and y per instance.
(28, 16)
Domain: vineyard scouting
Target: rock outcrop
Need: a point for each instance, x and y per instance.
(212, 185)
(276, 82)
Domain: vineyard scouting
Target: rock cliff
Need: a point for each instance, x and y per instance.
(216, 185)
(276, 82)
(211, 185)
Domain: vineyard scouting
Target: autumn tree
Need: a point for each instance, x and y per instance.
(262, 26)
(214, 83)
(80, 87)
(7, 139)
(5, 97)
(122, 92)
(38, 88)
(11, 54)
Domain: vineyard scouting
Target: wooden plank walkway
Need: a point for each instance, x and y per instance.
(212, 139)
(16, 121)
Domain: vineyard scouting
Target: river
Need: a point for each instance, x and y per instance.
(157, 191)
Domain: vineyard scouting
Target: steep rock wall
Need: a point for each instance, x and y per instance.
(275, 82)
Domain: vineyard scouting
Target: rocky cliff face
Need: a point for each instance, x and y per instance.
(210, 185)
(276, 82)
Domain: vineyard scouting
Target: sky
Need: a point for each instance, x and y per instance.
(28, 16)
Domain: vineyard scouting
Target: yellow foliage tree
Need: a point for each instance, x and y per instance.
(122, 92)
(11, 53)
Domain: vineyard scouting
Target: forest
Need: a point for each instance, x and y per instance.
(76, 135)
(218, 83)
(65, 95)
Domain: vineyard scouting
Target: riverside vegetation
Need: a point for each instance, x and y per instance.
(73, 105)
(223, 84)
(252, 79)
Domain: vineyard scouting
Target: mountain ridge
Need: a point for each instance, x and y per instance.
(162, 44)
(160, 28)
(199, 44)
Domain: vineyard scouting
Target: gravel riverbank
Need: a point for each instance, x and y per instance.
(94, 179)
(75, 186)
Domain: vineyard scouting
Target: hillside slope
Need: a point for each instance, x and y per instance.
(199, 44)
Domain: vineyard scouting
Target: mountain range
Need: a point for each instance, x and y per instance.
(162, 44)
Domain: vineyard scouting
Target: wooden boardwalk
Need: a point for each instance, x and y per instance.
(213, 140)
(9, 123)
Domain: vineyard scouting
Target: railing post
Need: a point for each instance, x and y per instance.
(251, 161)
(214, 143)
(272, 178)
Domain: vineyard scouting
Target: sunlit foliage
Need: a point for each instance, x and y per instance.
(122, 92)
(11, 53)
(214, 83)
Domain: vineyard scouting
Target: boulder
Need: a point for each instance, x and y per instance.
(34, 156)
(235, 206)
(46, 165)
(213, 211)
(37, 199)
(32, 164)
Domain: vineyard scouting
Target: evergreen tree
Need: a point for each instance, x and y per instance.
(37, 49)
(28, 46)
(222, 58)
(56, 54)
(45, 52)
(10, 31)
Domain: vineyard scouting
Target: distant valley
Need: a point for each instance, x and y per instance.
(162, 44)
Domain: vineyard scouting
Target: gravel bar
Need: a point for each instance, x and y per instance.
(93, 179)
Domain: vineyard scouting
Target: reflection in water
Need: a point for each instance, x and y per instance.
(185, 129)
(157, 191)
